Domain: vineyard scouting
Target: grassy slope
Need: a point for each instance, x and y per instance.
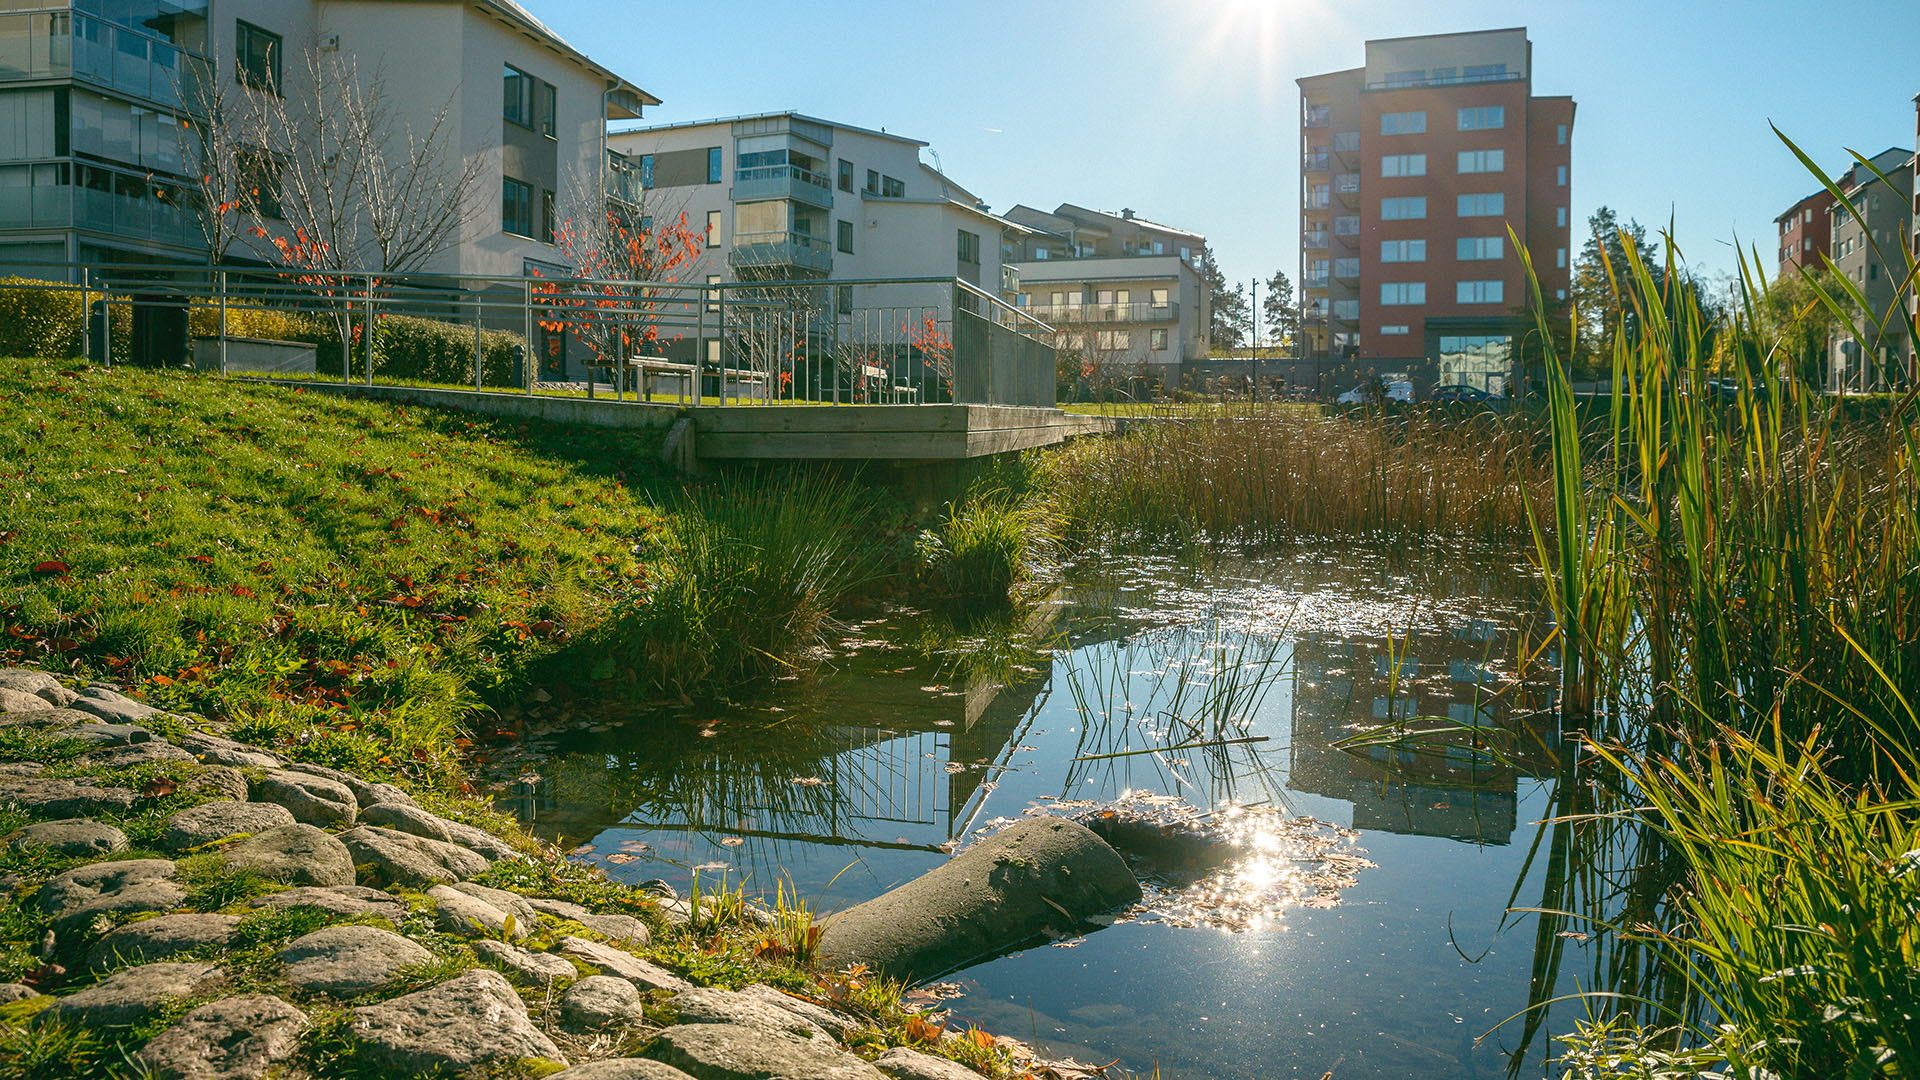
(352, 573)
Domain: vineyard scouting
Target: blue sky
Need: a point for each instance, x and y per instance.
(1185, 110)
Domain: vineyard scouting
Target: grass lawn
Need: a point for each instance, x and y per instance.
(350, 577)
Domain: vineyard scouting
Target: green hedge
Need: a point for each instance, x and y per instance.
(35, 321)
(430, 351)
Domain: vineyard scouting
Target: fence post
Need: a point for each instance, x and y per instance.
(721, 332)
(526, 331)
(86, 315)
(366, 347)
(221, 281)
(478, 348)
(699, 349)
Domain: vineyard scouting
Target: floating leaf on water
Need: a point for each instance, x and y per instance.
(622, 857)
(808, 781)
(711, 866)
(731, 841)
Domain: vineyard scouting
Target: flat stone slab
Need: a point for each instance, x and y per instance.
(510, 902)
(471, 1020)
(621, 1069)
(12, 700)
(208, 822)
(706, 1005)
(12, 992)
(397, 858)
(240, 1038)
(365, 792)
(124, 887)
(112, 706)
(621, 928)
(345, 900)
(50, 798)
(733, 1052)
(45, 718)
(76, 837)
(467, 915)
(834, 1022)
(903, 1063)
(349, 960)
(599, 1001)
(536, 968)
(129, 755)
(294, 854)
(401, 817)
(611, 961)
(133, 995)
(313, 800)
(164, 938)
(216, 750)
(28, 681)
(220, 782)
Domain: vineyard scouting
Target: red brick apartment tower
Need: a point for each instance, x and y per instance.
(1806, 233)
(1413, 169)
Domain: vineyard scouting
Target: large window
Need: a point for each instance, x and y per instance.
(256, 57)
(517, 97)
(1347, 267)
(516, 207)
(646, 170)
(1403, 292)
(548, 110)
(845, 229)
(1409, 208)
(1483, 161)
(1159, 339)
(549, 218)
(1346, 310)
(1403, 123)
(713, 228)
(1479, 292)
(846, 175)
(1474, 248)
(1403, 165)
(967, 246)
(1478, 360)
(1488, 204)
(1403, 251)
(713, 165)
(1484, 118)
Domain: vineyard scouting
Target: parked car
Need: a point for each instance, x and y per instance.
(1457, 392)
(1395, 391)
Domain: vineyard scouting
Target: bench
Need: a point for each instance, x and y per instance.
(649, 368)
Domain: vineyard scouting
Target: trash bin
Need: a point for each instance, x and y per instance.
(160, 338)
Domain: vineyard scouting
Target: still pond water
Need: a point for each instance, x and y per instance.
(1390, 959)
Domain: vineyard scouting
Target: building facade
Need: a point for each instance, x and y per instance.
(1806, 233)
(1126, 294)
(1871, 231)
(98, 140)
(1413, 170)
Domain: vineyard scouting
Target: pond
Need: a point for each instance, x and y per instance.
(1376, 940)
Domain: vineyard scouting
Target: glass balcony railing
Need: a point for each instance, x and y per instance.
(123, 217)
(63, 44)
(1316, 161)
(1069, 314)
(1346, 142)
(782, 182)
(1347, 184)
(780, 249)
(1314, 241)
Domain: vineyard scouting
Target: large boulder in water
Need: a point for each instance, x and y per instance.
(1040, 873)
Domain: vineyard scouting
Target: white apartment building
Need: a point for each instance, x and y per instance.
(91, 163)
(1124, 292)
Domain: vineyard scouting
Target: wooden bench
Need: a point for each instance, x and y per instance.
(649, 368)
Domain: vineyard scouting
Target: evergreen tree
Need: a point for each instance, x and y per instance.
(1282, 313)
(1231, 318)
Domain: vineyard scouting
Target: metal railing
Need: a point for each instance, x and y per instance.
(782, 182)
(1447, 80)
(1072, 314)
(72, 44)
(771, 250)
(867, 341)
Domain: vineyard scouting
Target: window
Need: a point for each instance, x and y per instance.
(1559, 294)
(549, 111)
(1560, 217)
(1563, 176)
(1485, 72)
(1160, 297)
(843, 299)
(1560, 134)
(1479, 292)
(516, 207)
(1484, 118)
(1560, 258)
(873, 182)
(1403, 165)
(1403, 123)
(713, 165)
(845, 229)
(713, 293)
(646, 170)
(1491, 204)
(1409, 208)
(1394, 331)
(256, 57)
(1482, 161)
(1474, 248)
(1406, 78)
(846, 175)
(1160, 340)
(1346, 268)
(1403, 292)
(1403, 251)
(549, 218)
(518, 104)
(968, 247)
(713, 228)
(892, 189)
(260, 180)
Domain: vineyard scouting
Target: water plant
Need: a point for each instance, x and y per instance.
(987, 547)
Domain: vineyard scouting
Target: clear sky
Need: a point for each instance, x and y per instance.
(1185, 110)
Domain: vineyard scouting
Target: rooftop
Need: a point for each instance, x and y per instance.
(787, 113)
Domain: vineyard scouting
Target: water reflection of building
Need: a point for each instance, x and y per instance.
(1454, 783)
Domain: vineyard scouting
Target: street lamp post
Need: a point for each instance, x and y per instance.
(1253, 312)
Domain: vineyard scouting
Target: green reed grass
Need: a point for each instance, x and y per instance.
(987, 549)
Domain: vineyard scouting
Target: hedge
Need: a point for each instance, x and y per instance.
(37, 321)
(430, 351)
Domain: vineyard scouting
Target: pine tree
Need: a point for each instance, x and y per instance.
(1231, 319)
(1282, 313)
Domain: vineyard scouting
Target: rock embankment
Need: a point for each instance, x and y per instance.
(207, 910)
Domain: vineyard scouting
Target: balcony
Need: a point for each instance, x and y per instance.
(61, 45)
(771, 250)
(1315, 198)
(1073, 314)
(1314, 281)
(1346, 187)
(782, 182)
(1315, 160)
(1346, 143)
(1314, 241)
(121, 216)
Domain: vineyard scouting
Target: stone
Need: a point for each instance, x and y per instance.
(28, 681)
(21, 701)
(59, 697)
(598, 1001)
(611, 961)
(469, 916)
(240, 1038)
(130, 756)
(208, 822)
(537, 968)
(349, 960)
(834, 1022)
(314, 800)
(219, 781)
(706, 1005)
(104, 735)
(733, 1052)
(293, 855)
(364, 792)
(407, 819)
(49, 798)
(165, 938)
(472, 1020)
(44, 717)
(21, 768)
(112, 706)
(659, 888)
(397, 858)
(624, 929)
(621, 1069)
(215, 750)
(510, 902)
(110, 888)
(349, 901)
(133, 995)
(1036, 874)
(76, 837)
(12, 992)
(903, 1063)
